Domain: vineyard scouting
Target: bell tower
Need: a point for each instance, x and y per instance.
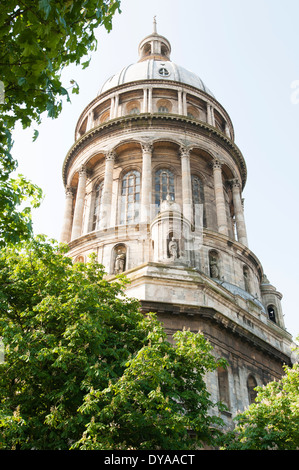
(154, 184)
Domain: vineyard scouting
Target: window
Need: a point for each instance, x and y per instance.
(198, 197)
(163, 109)
(223, 386)
(97, 205)
(130, 197)
(164, 186)
(163, 72)
(134, 110)
(271, 313)
(251, 384)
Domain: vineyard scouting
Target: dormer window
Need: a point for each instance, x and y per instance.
(163, 72)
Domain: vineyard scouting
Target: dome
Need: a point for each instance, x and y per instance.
(152, 69)
(154, 64)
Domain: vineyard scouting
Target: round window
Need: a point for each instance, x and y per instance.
(164, 72)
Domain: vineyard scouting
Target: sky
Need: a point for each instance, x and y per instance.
(246, 52)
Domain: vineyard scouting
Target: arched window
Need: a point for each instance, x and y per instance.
(163, 109)
(97, 205)
(251, 384)
(130, 198)
(164, 186)
(223, 386)
(198, 197)
(134, 110)
(271, 313)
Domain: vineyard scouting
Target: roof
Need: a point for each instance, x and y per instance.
(152, 69)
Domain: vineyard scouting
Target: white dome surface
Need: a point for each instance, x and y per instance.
(154, 70)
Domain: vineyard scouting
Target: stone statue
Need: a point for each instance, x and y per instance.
(214, 270)
(173, 249)
(119, 265)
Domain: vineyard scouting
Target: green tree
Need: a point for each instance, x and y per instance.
(84, 368)
(37, 40)
(272, 422)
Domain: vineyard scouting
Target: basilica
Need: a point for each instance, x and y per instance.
(154, 183)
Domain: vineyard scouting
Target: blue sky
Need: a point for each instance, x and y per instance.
(246, 52)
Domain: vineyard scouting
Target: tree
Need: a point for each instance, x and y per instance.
(272, 422)
(82, 363)
(37, 40)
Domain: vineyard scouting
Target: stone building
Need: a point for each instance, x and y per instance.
(154, 186)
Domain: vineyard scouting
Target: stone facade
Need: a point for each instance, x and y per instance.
(154, 186)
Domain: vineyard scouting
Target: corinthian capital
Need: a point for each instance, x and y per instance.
(184, 151)
(147, 147)
(110, 155)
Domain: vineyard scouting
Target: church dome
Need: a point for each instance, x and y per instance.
(153, 69)
(154, 64)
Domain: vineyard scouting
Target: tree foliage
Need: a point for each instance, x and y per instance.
(37, 40)
(272, 422)
(85, 369)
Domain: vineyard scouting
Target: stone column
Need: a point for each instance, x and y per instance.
(239, 213)
(144, 104)
(146, 187)
(112, 103)
(107, 192)
(150, 101)
(219, 198)
(186, 183)
(68, 216)
(116, 101)
(180, 102)
(79, 206)
(184, 103)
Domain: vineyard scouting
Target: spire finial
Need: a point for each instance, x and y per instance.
(155, 24)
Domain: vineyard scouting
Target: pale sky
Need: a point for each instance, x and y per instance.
(246, 52)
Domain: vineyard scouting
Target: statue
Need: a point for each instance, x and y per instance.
(214, 270)
(173, 249)
(119, 265)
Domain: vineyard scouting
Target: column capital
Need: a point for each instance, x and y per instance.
(69, 192)
(82, 171)
(235, 183)
(184, 151)
(217, 164)
(110, 155)
(147, 147)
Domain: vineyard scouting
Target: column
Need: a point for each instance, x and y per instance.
(180, 102)
(239, 213)
(184, 103)
(144, 105)
(219, 198)
(112, 102)
(186, 183)
(79, 206)
(210, 115)
(116, 101)
(68, 216)
(107, 192)
(146, 186)
(150, 100)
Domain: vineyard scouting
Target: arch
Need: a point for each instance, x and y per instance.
(130, 197)
(251, 384)
(164, 106)
(133, 107)
(271, 310)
